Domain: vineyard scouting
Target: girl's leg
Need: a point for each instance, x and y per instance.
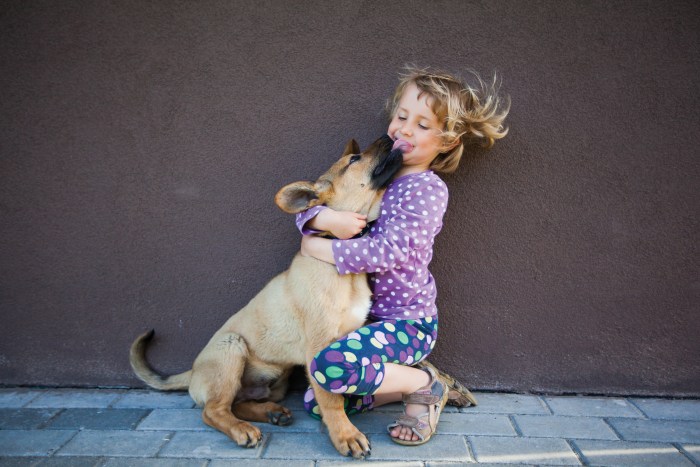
(353, 404)
(356, 364)
(400, 380)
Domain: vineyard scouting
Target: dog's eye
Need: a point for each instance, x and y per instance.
(354, 158)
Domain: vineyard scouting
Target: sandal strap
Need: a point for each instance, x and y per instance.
(423, 399)
(407, 420)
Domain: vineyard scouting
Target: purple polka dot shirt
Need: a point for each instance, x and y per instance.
(398, 249)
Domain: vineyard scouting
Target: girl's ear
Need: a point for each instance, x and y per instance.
(449, 146)
(297, 197)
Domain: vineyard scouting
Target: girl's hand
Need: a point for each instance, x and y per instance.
(342, 224)
(317, 247)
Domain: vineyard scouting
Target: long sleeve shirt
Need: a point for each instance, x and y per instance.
(398, 248)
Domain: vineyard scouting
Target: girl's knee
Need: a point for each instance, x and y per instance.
(334, 373)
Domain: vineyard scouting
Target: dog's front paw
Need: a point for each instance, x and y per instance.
(245, 435)
(352, 443)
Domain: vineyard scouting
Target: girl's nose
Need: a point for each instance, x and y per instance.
(406, 130)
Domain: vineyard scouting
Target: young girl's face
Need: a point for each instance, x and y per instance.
(416, 130)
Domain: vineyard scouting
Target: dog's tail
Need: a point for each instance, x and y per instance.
(137, 358)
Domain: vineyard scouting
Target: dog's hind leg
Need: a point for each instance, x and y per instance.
(217, 379)
(266, 412)
(269, 411)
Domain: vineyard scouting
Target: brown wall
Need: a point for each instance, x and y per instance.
(142, 144)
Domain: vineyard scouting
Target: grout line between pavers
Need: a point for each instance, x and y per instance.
(166, 440)
(121, 396)
(546, 405)
(577, 452)
(612, 428)
(515, 426)
(140, 420)
(685, 453)
(36, 396)
(45, 423)
(645, 416)
(470, 449)
(53, 453)
(267, 441)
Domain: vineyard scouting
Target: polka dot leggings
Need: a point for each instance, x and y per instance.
(354, 365)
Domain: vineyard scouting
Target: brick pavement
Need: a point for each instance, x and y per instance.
(108, 427)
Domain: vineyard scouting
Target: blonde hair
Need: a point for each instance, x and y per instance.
(466, 113)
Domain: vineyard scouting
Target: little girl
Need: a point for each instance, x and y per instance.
(433, 115)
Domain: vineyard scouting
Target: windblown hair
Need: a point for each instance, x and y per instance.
(466, 113)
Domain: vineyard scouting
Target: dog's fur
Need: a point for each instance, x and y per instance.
(242, 372)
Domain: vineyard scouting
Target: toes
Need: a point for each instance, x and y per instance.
(247, 436)
(280, 418)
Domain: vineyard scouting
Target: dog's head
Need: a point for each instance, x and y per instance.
(356, 182)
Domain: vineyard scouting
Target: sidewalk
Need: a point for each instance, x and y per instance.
(109, 427)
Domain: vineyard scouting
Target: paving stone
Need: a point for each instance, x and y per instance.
(475, 424)
(74, 398)
(294, 401)
(32, 442)
(377, 463)
(508, 404)
(154, 400)
(262, 463)
(51, 462)
(144, 462)
(24, 419)
(301, 424)
(662, 431)
(622, 453)
(554, 426)
(209, 444)
(592, 406)
(298, 446)
(97, 419)
(71, 462)
(19, 461)
(440, 447)
(669, 409)
(480, 464)
(693, 451)
(504, 450)
(371, 422)
(174, 419)
(17, 397)
(114, 443)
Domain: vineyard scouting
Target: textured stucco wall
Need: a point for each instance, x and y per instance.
(141, 145)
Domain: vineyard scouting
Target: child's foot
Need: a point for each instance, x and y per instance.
(422, 412)
(459, 395)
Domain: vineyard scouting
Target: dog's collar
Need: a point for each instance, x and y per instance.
(361, 234)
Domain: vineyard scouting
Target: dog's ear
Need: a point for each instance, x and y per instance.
(351, 148)
(297, 197)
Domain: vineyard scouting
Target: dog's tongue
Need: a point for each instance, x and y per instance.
(403, 145)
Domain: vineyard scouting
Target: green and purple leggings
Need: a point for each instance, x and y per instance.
(354, 365)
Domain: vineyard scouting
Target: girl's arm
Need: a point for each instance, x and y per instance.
(341, 224)
(319, 248)
(411, 224)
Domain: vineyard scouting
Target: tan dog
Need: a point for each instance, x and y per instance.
(243, 370)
